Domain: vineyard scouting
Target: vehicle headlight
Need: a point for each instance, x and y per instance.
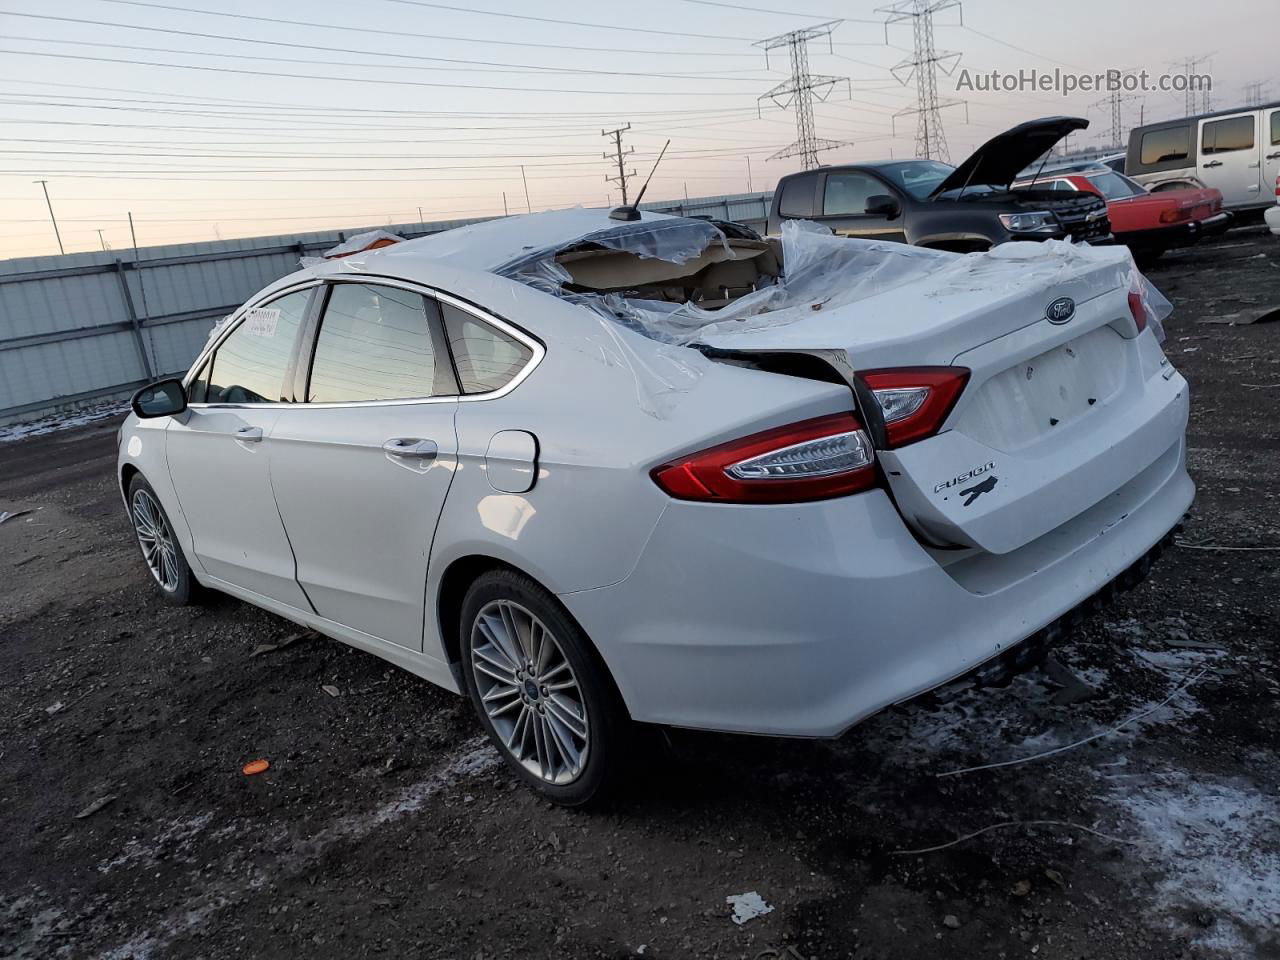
(1041, 221)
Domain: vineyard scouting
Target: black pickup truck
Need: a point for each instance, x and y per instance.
(930, 204)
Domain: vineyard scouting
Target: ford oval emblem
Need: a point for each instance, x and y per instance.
(1061, 310)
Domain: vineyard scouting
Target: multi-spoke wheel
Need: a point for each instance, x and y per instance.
(159, 547)
(540, 688)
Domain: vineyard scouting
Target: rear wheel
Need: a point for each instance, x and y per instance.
(541, 691)
(160, 550)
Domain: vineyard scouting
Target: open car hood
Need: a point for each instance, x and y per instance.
(999, 161)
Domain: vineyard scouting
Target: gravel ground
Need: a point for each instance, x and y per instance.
(386, 826)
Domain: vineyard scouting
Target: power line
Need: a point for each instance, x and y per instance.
(376, 80)
(420, 36)
(380, 54)
(931, 141)
(1116, 101)
(799, 91)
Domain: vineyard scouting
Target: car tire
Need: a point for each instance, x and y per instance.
(552, 711)
(161, 551)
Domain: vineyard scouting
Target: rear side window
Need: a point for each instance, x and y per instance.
(1224, 136)
(797, 197)
(1275, 128)
(377, 343)
(1165, 146)
(250, 365)
(847, 193)
(486, 358)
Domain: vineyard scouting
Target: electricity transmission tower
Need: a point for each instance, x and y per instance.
(1116, 102)
(1189, 68)
(926, 61)
(1255, 93)
(619, 156)
(800, 91)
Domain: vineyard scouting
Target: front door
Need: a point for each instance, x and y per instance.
(844, 208)
(1270, 149)
(1230, 158)
(361, 469)
(219, 453)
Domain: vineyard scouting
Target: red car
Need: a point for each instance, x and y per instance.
(1148, 223)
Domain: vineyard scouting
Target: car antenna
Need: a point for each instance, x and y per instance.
(632, 212)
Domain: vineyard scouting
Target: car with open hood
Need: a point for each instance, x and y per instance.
(932, 204)
(596, 472)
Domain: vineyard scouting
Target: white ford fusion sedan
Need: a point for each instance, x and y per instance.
(594, 469)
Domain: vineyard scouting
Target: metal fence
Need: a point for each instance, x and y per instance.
(90, 327)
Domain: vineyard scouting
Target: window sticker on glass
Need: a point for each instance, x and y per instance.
(261, 322)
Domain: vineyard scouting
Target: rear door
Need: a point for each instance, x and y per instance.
(219, 451)
(1230, 158)
(361, 468)
(843, 199)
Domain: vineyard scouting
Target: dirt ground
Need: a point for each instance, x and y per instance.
(386, 827)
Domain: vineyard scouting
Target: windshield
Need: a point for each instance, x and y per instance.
(916, 177)
(1115, 186)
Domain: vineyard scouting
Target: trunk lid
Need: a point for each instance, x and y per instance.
(1056, 415)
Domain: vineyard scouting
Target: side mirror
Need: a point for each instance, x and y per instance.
(165, 398)
(883, 205)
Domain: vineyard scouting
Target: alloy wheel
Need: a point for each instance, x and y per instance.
(529, 692)
(156, 540)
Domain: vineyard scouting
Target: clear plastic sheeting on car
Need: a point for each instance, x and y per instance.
(820, 272)
(359, 243)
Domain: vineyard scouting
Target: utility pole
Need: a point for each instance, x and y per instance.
(528, 206)
(49, 204)
(420, 223)
(619, 157)
(799, 91)
(924, 64)
(505, 211)
(749, 190)
(1115, 101)
(102, 240)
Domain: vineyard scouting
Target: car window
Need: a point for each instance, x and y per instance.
(376, 343)
(1066, 185)
(1223, 136)
(1113, 186)
(917, 177)
(198, 389)
(847, 193)
(486, 358)
(1275, 128)
(1163, 146)
(797, 197)
(249, 366)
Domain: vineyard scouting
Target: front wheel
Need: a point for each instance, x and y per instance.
(541, 690)
(159, 546)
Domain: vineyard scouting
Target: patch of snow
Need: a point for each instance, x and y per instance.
(1218, 845)
(172, 843)
(747, 906)
(63, 421)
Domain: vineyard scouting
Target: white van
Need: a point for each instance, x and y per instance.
(1237, 151)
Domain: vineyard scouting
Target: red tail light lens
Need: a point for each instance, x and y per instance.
(1138, 307)
(812, 460)
(916, 401)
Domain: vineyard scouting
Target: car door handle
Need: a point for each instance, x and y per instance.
(411, 448)
(1273, 156)
(1214, 163)
(249, 434)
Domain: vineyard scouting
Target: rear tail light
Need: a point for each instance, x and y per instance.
(1278, 188)
(1175, 216)
(916, 401)
(812, 460)
(1138, 307)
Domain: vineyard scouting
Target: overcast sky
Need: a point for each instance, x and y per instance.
(360, 113)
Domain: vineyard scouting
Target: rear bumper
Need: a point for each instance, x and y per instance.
(1218, 224)
(1272, 217)
(801, 620)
